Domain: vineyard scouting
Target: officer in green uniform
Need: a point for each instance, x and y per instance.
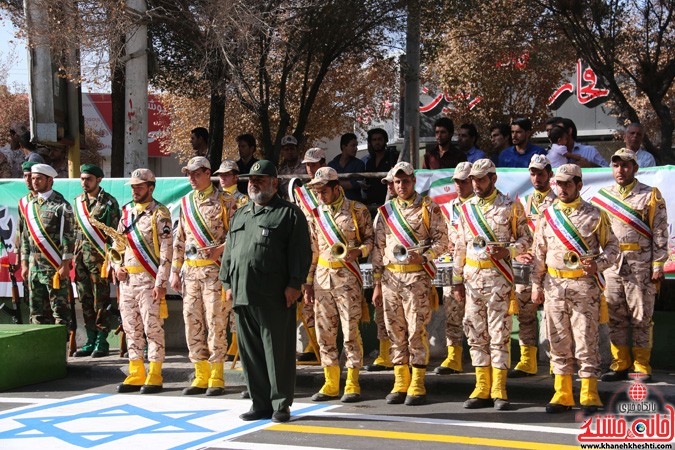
(91, 264)
(47, 250)
(266, 259)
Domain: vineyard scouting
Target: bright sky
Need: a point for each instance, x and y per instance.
(13, 50)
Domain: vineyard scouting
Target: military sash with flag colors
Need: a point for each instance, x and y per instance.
(307, 198)
(93, 234)
(332, 234)
(44, 242)
(479, 227)
(531, 211)
(142, 251)
(568, 234)
(23, 206)
(451, 212)
(621, 210)
(195, 221)
(402, 231)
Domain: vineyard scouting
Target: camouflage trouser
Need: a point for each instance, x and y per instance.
(630, 301)
(454, 313)
(379, 322)
(487, 324)
(308, 314)
(342, 304)
(527, 316)
(205, 314)
(47, 305)
(140, 314)
(95, 298)
(232, 320)
(407, 311)
(572, 310)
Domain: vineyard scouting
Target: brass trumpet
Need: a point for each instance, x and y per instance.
(120, 241)
(401, 252)
(573, 260)
(480, 244)
(192, 251)
(340, 250)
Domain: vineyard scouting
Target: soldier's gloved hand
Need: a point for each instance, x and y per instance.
(377, 295)
(537, 297)
(175, 281)
(459, 292)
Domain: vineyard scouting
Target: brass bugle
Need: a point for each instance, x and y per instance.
(192, 251)
(480, 244)
(573, 260)
(120, 241)
(340, 250)
(401, 252)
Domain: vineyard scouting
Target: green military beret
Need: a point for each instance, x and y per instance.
(264, 167)
(26, 166)
(92, 169)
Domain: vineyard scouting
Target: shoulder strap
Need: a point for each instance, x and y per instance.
(356, 223)
(426, 202)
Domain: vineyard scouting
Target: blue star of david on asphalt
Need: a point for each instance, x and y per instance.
(162, 423)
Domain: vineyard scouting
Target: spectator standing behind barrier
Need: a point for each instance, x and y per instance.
(290, 163)
(29, 150)
(467, 140)
(347, 162)
(246, 145)
(266, 260)
(500, 137)
(58, 159)
(443, 155)
(380, 158)
(633, 137)
(199, 140)
(582, 155)
(520, 154)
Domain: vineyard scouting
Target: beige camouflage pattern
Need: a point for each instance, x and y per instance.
(630, 291)
(307, 309)
(572, 305)
(204, 311)
(139, 311)
(487, 324)
(406, 303)
(232, 320)
(337, 292)
(527, 311)
(407, 311)
(378, 317)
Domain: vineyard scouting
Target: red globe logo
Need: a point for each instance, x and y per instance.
(637, 392)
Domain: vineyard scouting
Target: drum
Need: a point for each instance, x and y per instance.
(443, 275)
(522, 273)
(367, 275)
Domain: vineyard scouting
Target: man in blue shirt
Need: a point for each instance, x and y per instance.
(520, 154)
(582, 155)
(467, 137)
(347, 162)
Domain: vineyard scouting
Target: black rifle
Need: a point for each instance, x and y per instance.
(15, 311)
(72, 341)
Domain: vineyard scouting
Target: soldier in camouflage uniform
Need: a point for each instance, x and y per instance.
(228, 172)
(146, 224)
(454, 310)
(334, 284)
(405, 285)
(91, 277)
(543, 197)
(638, 216)
(572, 306)
(204, 220)
(484, 279)
(47, 249)
(23, 204)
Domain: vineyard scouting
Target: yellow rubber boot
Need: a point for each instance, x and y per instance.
(383, 360)
(201, 381)
(453, 363)
(417, 393)
(136, 377)
(480, 397)
(352, 387)
(153, 382)
(563, 399)
(308, 356)
(589, 398)
(331, 387)
(527, 366)
(498, 389)
(216, 380)
(641, 358)
(311, 337)
(233, 348)
(621, 363)
(401, 384)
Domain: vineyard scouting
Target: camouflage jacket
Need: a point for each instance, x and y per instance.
(106, 210)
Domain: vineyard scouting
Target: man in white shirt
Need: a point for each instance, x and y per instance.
(633, 137)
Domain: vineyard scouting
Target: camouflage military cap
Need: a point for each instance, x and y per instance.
(314, 155)
(140, 176)
(323, 176)
(567, 172)
(227, 165)
(462, 171)
(196, 163)
(289, 140)
(389, 178)
(539, 162)
(625, 154)
(404, 167)
(482, 167)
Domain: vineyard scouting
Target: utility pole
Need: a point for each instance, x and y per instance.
(136, 90)
(412, 83)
